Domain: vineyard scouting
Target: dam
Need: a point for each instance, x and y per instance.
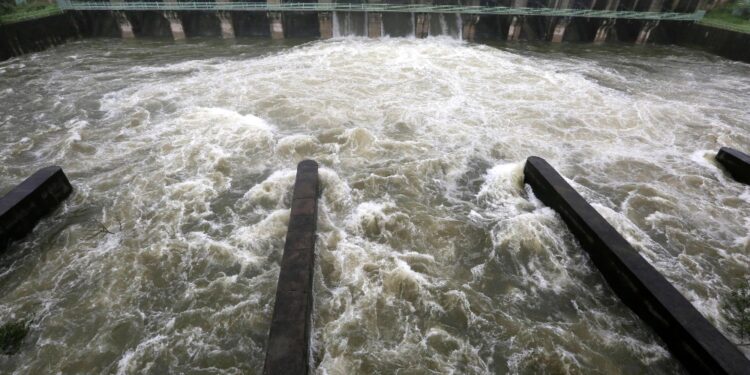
(184, 132)
(593, 20)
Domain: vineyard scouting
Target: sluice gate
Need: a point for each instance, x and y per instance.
(513, 21)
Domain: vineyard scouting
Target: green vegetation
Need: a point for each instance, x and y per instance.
(6, 6)
(12, 335)
(733, 16)
(736, 310)
(10, 13)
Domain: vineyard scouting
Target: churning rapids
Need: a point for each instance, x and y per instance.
(433, 257)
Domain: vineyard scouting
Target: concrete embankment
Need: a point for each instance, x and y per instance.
(726, 43)
(37, 35)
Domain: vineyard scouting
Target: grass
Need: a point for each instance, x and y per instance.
(29, 12)
(12, 335)
(724, 19)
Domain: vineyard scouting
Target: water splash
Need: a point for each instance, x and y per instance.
(443, 25)
(460, 26)
(336, 25)
(424, 219)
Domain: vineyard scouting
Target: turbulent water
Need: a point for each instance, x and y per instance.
(433, 257)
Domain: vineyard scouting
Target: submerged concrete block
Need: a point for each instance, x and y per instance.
(325, 22)
(227, 28)
(289, 337)
(469, 23)
(688, 335)
(175, 25)
(422, 25)
(736, 162)
(28, 202)
(514, 30)
(646, 30)
(602, 33)
(559, 32)
(126, 28)
(277, 26)
(374, 25)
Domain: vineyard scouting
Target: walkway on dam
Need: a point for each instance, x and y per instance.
(382, 8)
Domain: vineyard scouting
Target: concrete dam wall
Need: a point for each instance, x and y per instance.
(584, 21)
(513, 20)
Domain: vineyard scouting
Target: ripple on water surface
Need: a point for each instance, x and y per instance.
(433, 257)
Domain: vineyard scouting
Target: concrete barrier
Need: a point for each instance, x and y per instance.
(289, 338)
(737, 163)
(28, 202)
(689, 336)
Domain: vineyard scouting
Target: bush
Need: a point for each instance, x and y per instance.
(6, 6)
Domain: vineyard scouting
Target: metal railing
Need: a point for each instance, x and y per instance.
(365, 7)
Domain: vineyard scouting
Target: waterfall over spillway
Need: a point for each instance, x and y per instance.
(336, 25)
(460, 26)
(443, 25)
(413, 25)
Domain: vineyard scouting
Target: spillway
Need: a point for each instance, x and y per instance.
(432, 255)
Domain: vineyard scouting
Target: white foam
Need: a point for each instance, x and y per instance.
(432, 254)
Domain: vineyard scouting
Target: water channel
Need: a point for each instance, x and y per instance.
(433, 257)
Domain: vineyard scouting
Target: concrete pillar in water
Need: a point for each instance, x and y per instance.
(126, 28)
(374, 25)
(516, 26)
(274, 21)
(603, 32)
(175, 24)
(422, 25)
(288, 350)
(470, 26)
(469, 22)
(607, 25)
(612, 5)
(649, 26)
(325, 21)
(646, 30)
(227, 29)
(559, 33)
(516, 23)
(277, 28)
(656, 6)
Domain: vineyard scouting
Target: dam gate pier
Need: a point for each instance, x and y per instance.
(557, 21)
